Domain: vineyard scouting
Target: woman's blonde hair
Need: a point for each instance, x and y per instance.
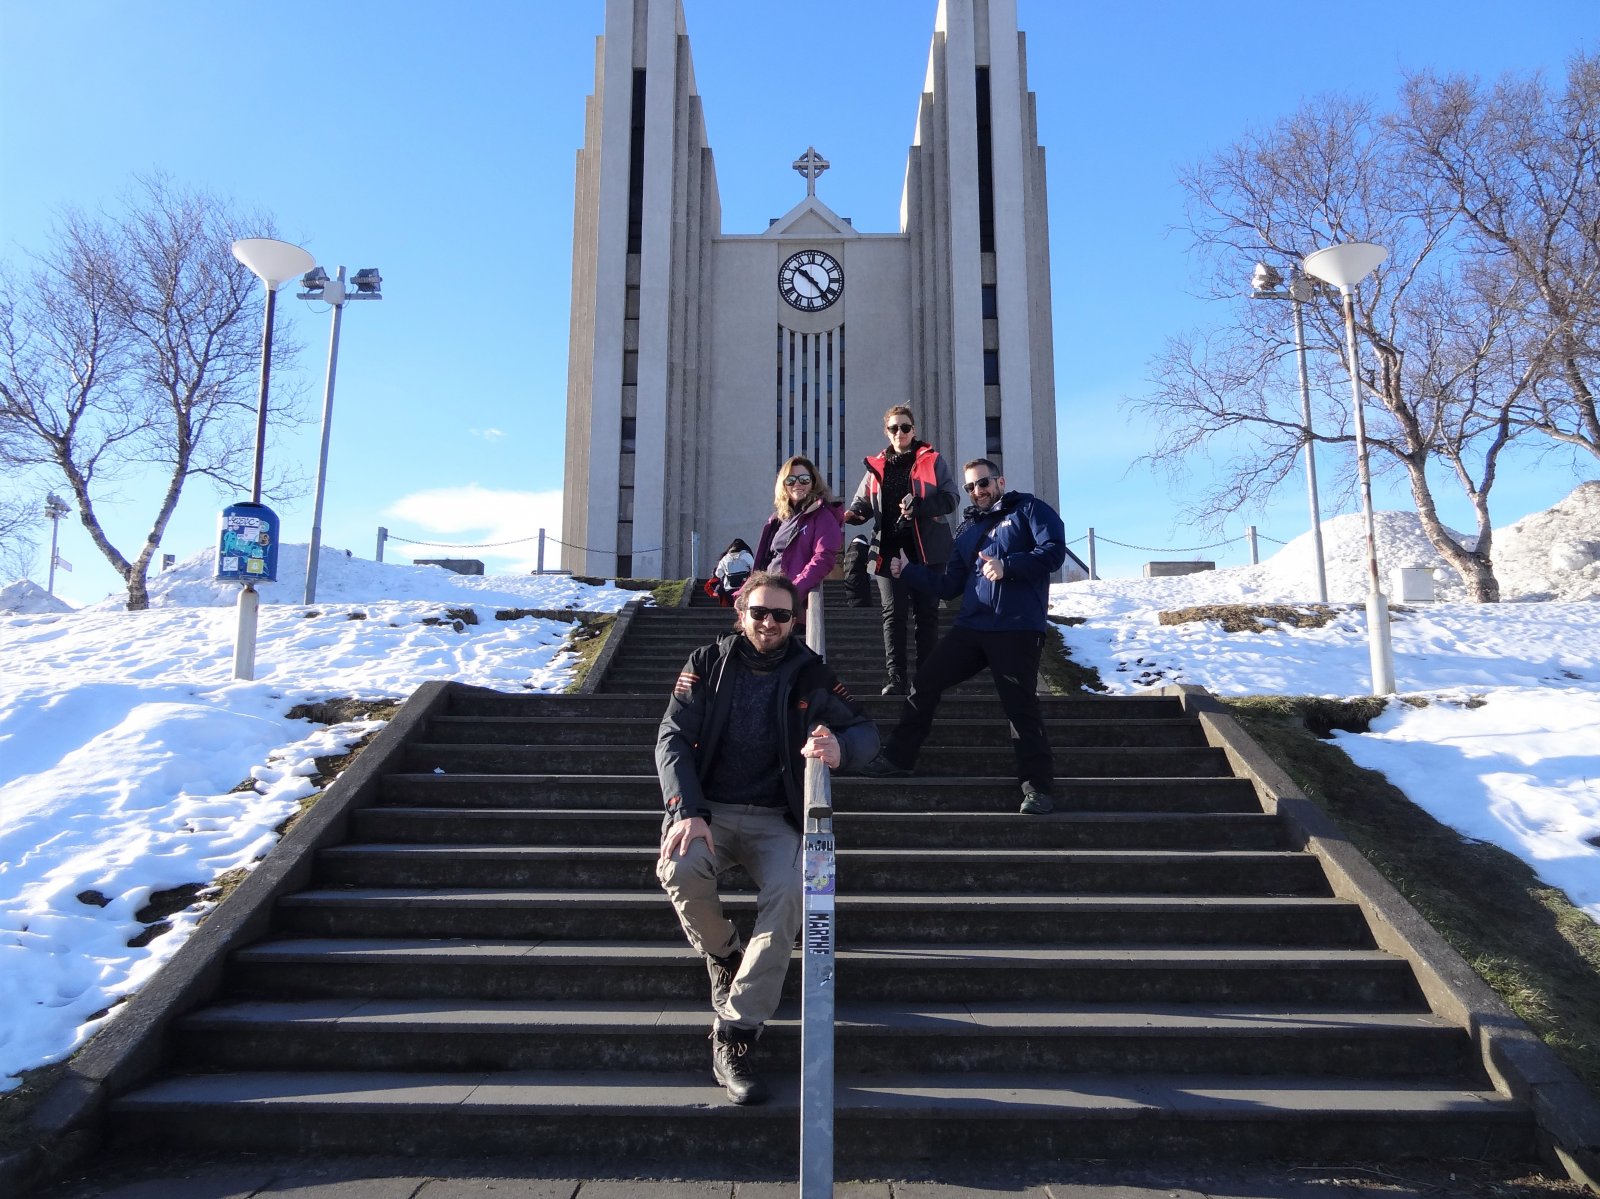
(819, 485)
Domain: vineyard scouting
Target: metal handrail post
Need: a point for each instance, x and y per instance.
(816, 963)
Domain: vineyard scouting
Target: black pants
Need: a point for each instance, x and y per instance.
(1013, 660)
(900, 600)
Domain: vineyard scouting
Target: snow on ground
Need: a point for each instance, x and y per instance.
(23, 595)
(123, 736)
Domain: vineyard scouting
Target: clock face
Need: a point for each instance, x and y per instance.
(810, 280)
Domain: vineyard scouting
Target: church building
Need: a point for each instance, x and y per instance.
(701, 359)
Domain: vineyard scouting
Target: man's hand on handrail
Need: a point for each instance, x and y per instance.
(824, 746)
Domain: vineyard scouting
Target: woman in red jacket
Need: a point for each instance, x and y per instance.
(907, 490)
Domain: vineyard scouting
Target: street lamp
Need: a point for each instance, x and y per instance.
(54, 510)
(1267, 284)
(368, 286)
(274, 263)
(1345, 266)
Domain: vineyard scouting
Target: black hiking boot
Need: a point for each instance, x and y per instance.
(882, 768)
(722, 971)
(1036, 802)
(730, 1064)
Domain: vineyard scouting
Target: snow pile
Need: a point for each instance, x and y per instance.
(343, 578)
(1553, 555)
(28, 597)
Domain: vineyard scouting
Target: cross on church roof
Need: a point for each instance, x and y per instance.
(810, 164)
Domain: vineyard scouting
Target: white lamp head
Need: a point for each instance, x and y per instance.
(272, 261)
(1345, 265)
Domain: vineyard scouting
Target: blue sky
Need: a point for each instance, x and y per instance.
(438, 142)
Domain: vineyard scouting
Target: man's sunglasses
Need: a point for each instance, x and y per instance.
(776, 615)
(899, 428)
(795, 480)
(973, 487)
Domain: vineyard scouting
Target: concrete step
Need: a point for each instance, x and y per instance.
(466, 913)
(952, 711)
(608, 971)
(988, 732)
(851, 793)
(885, 1126)
(872, 1038)
(936, 760)
(861, 871)
(857, 830)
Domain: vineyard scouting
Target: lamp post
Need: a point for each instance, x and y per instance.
(54, 510)
(368, 286)
(274, 263)
(1345, 266)
(1267, 284)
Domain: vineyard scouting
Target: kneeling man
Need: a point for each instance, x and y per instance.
(745, 712)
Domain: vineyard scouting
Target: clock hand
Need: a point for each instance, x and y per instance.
(821, 287)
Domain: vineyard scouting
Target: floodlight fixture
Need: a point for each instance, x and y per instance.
(366, 283)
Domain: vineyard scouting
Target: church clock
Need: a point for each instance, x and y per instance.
(810, 280)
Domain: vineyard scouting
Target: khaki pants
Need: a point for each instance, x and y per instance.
(764, 842)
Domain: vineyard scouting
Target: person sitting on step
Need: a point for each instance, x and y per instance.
(744, 714)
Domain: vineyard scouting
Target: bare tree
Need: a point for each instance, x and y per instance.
(1520, 165)
(19, 523)
(1448, 358)
(133, 346)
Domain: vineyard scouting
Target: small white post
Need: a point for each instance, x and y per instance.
(1092, 573)
(244, 641)
(383, 535)
(1255, 551)
(541, 551)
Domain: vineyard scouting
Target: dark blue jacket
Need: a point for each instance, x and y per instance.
(1027, 535)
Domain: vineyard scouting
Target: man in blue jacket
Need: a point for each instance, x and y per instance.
(1005, 552)
(744, 714)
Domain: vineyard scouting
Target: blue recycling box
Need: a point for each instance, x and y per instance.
(247, 544)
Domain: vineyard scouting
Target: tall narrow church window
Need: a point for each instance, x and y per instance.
(810, 389)
(985, 166)
(636, 168)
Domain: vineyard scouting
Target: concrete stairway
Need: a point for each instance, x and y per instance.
(487, 965)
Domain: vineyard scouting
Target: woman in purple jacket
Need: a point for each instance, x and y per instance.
(802, 538)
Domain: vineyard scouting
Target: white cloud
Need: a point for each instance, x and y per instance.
(499, 526)
(489, 434)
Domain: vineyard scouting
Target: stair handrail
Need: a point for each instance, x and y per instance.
(816, 961)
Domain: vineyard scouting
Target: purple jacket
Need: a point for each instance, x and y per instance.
(809, 558)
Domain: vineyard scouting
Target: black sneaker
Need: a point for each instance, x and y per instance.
(895, 686)
(730, 1064)
(1035, 802)
(722, 971)
(882, 768)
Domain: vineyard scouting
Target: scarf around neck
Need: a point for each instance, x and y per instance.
(788, 531)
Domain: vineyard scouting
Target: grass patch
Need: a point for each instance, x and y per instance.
(586, 641)
(1541, 954)
(1060, 673)
(1253, 618)
(668, 593)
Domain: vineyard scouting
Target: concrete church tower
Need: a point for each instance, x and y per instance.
(700, 360)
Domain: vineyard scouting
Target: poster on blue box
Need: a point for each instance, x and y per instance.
(247, 544)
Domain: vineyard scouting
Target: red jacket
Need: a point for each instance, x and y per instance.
(933, 494)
